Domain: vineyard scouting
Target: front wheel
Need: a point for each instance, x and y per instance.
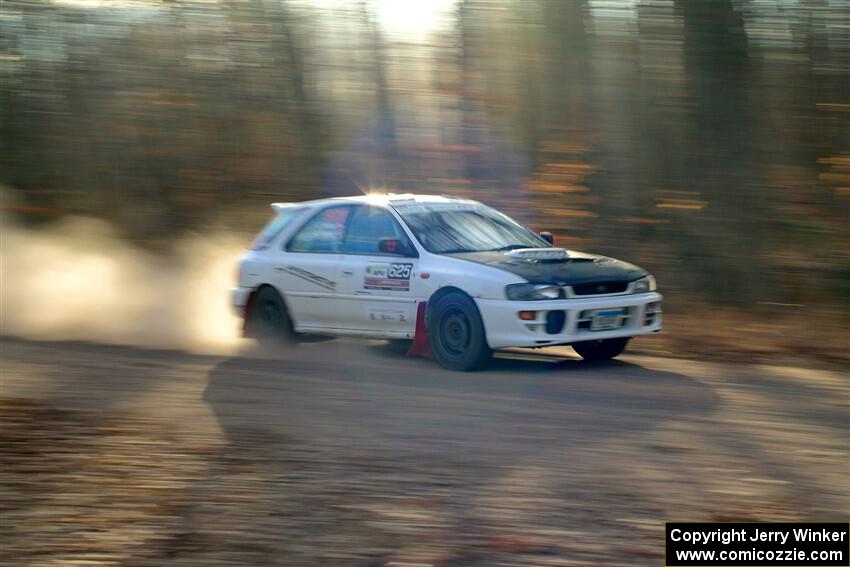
(603, 349)
(457, 334)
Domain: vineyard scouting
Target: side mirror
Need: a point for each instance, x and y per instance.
(392, 246)
(547, 236)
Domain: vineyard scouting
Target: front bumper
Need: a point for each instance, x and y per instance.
(504, 328)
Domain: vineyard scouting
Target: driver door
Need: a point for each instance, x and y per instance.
(378, 291)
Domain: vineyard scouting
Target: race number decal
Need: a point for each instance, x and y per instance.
(400, 271)
(388, 277)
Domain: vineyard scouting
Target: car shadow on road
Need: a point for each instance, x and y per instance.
(376, 398)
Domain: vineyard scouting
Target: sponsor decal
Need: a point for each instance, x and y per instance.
(377, 270)
(387, 315)
(335, 215)
(311, 277)
(388, 277)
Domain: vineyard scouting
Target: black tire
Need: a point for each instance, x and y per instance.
(456, 333)
(269, 321)
(604, 349)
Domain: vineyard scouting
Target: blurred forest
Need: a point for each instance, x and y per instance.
(707, 140)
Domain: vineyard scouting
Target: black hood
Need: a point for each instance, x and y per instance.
(577, 268)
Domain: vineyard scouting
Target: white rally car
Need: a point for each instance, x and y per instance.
(369, 265)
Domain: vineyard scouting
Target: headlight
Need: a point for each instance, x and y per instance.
(531, 292)
(644, 285)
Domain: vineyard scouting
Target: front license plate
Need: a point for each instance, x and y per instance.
(606, 320)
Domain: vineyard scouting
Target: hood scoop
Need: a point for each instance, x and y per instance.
(539, 254)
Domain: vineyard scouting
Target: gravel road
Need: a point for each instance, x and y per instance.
(350, 453)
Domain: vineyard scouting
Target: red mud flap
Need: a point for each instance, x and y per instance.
(247, 331)
(420, 346)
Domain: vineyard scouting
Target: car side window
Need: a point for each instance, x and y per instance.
(275, 226)
(323, 233)
(368, 226)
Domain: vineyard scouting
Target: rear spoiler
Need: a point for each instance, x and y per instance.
(280, 206)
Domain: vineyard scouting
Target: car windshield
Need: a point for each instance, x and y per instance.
(446, 228)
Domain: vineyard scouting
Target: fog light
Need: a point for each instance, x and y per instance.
(528, 315)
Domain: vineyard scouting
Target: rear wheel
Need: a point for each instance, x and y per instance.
(603, 349)
(456, 333)
(269, 321)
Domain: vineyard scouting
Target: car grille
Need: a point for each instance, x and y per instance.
(600, 288)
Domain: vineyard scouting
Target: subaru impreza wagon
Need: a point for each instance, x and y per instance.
(369, 266)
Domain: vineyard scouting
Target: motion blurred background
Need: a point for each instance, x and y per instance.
(707, 140)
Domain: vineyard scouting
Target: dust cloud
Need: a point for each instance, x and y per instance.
(78, 280)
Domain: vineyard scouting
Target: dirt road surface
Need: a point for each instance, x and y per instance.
(350, 453)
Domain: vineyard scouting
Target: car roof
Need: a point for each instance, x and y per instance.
(380, 199)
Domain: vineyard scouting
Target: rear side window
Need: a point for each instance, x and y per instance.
(323, 232)
(274, 227)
